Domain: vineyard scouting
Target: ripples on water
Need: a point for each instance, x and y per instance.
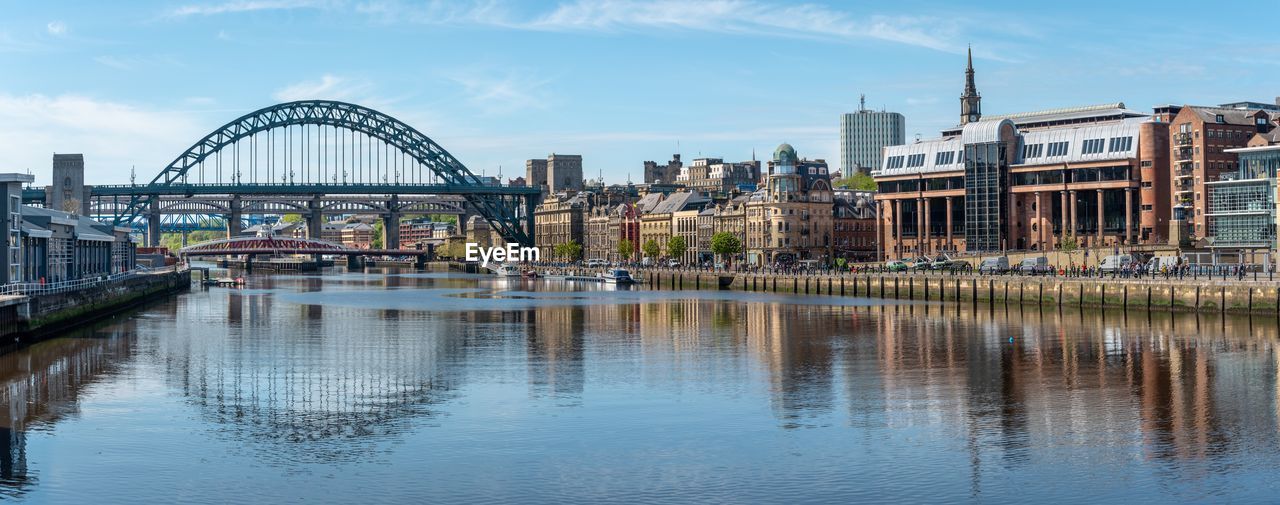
(429, 387)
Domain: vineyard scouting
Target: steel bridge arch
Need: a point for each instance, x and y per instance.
(193, 205)
(500, 213)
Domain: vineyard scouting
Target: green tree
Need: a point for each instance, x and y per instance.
(376, 242)
(725, 244)
(676, 247)
(570, 250)
(859, 181)
(1069, 245)
(292, 218)
(626, 249)
(651, 248)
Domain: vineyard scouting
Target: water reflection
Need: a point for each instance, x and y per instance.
(300, 375)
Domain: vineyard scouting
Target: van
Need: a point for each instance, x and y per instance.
(1157, 263)
(1034, 266)
(996, 265)
(1116, 263)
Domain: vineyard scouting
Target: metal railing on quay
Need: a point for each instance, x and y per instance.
(47, 288)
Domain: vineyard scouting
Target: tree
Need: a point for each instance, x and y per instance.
(292, 218)
(626, 249)
(676, 247)
(651, 248)
(570, 250)
(859, 181)
(725, 244)
(1069, 246)
(376, 242)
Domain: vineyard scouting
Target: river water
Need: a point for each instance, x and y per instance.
(411, 387)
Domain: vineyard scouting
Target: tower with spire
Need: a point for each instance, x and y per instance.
(970, 101)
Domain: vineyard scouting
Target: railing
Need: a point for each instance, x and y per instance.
(46, 288)
(1183, 139)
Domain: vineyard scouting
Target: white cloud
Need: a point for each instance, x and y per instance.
(113, 136)
(502, 94)
(57, 28)
(328, 87)
(246, 6)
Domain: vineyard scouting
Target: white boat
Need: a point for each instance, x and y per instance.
(617, 276)
(507, 270)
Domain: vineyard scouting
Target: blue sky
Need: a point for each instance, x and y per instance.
(620, 82)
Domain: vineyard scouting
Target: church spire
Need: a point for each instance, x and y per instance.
(970, 101)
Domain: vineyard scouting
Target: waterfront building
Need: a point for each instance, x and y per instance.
(68, 192)
(863, 136)
(1241, 217)
(714, 177)
(662, 174)
(624, 224)
(559, 219)
(657, 224)
(597, 243)
(1096, 174)
(731, 217)
(47, 245)
(358, 235)
(854, 225)
(331, 231)
(1201, 138)
(790, 218)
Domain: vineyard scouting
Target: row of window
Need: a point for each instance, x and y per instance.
(1091, 146)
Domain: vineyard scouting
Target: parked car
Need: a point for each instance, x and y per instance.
(997, 265)
(597, 263)
(960, 266)
(896, 266)
(673, 264)
(1034, 266)
(941, 262)
(647, 261)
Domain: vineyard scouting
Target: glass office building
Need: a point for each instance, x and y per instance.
(1242, 207)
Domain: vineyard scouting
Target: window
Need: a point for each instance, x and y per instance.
(1092, 146)
(894, 162)
(915, 160)
(1030, 151)
(1219, 119)
(1120, 144)
(1058, 148)
(945, 158)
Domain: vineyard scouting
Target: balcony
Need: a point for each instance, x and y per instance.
(1183, 139)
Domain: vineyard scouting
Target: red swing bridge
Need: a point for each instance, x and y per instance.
(270, 245)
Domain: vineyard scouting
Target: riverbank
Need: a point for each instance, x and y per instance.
(1179, 295)
(27, 318)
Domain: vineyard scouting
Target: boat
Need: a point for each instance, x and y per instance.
(617, 276)
(507, 270)
(531, 274)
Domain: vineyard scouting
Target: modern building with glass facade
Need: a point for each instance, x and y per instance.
(1241, 215)
(864, 135)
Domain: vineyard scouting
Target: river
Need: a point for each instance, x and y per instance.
(425, 387)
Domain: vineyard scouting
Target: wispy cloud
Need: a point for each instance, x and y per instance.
(331, 87)
(504, 92)
(209, 9)
(113, 135)
(56, 28)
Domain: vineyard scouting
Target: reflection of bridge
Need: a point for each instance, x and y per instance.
(313, 158)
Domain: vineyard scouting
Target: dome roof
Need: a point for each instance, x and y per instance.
(784, 149)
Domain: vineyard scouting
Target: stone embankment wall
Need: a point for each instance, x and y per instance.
(26, 318)
(1224, 296)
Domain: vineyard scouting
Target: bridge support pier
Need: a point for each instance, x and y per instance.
(233, 218)
(391, 225)
(315, 219)
(153, 222)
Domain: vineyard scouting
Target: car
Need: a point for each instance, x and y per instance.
(960, 266)
(997, 265)
(647, 261)
(1038, 265)
(673, 264)
(596, 263)
(896, 266)
(941, 262)
(1116, 263)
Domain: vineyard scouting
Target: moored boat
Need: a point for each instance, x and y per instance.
(617, 276)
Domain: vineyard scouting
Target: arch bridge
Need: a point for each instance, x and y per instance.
(315, 158)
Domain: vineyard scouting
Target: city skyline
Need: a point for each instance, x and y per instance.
(618, 82)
